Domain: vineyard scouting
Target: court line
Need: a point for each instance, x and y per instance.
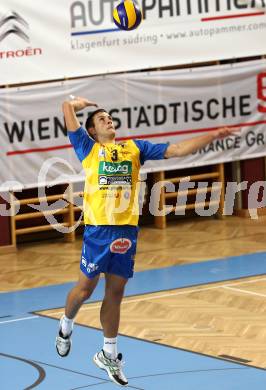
(247, 281)
(20, 319)
(103, 381)
(98, 305)
(168, 373)
(147, 298)
(41, 371)
(189, 372)
(245, 291)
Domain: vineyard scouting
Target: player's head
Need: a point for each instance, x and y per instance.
(100, 126)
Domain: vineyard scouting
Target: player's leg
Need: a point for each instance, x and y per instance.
(80, 293)
(108, 358)
(91, 265)
(119, 268)
(110, 309)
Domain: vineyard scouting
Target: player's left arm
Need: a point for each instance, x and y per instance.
(191, 145)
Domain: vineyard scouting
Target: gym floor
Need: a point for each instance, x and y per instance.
(192, 325)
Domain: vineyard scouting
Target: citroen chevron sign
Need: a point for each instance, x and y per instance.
(13, 24)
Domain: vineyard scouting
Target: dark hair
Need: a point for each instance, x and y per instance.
(89, 122)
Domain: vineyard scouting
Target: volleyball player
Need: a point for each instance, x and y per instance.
(110, 237)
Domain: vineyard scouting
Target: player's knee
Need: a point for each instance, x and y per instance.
(85, 294)
(114, 294)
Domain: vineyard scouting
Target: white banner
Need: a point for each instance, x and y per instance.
(49, 40)
(164, 106)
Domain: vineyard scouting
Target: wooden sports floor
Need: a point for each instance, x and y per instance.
(194, 315)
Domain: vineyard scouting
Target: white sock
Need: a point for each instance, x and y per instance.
(66, 325)
(110, 347)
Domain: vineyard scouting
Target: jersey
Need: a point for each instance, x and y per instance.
(112, 177)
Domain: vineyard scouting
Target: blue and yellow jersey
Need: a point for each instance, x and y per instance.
(112, 177)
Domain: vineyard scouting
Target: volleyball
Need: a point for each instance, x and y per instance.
(127, 15)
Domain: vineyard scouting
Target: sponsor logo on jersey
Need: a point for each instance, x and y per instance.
(112, 168)
(122, 180)
(92, 267)
(84, 261)
(120, 245)
(102, 152)
(103, 180)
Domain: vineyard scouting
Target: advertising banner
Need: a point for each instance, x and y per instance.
(165, 106)
(49, 40)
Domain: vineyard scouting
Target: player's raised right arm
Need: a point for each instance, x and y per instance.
(70, 107)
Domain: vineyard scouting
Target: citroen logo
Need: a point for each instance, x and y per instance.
(13, 24)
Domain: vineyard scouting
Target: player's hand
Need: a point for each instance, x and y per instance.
(79, 103)
(225, 132)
